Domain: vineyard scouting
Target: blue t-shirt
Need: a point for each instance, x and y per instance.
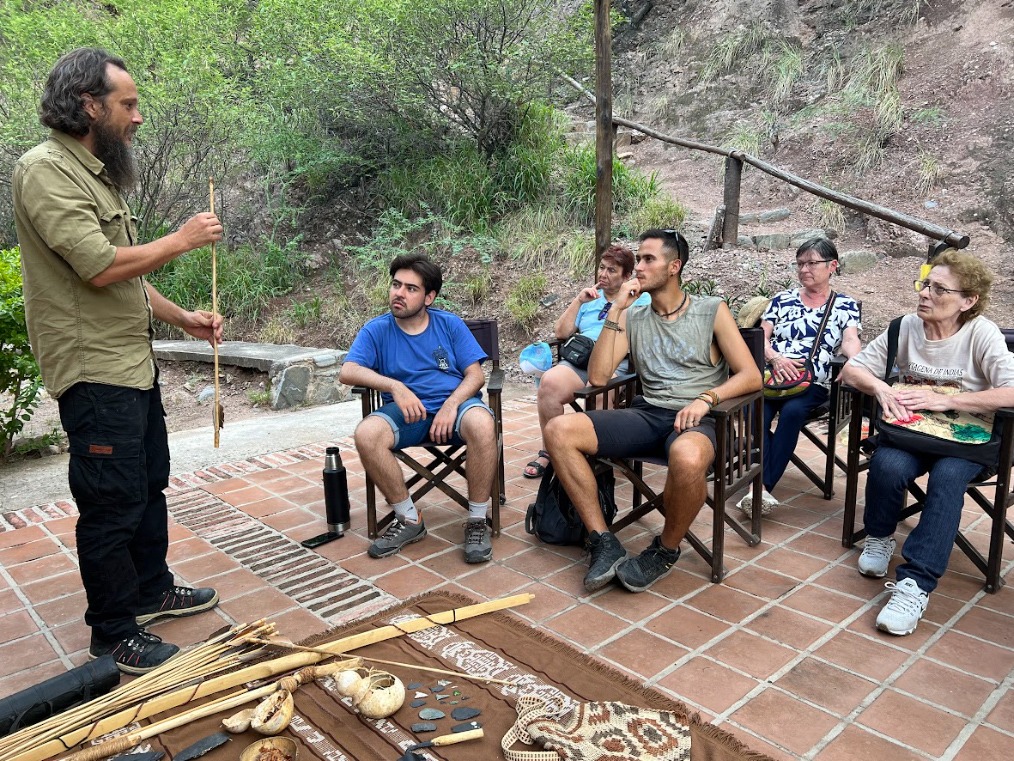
(432, 364)
(588, 321)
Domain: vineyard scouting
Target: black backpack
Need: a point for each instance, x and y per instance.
(552, 517)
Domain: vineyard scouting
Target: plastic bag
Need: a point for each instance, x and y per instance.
(536, 358)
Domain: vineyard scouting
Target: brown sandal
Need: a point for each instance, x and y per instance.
(536, 466)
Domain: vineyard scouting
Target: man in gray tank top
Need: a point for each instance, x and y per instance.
(689, 355)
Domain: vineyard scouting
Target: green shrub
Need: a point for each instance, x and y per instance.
(20, 381)
(523, 300)
(248, 277)
(473, 190)
(631, 188)
(661, 212)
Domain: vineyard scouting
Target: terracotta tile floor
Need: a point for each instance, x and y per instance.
(783, 654)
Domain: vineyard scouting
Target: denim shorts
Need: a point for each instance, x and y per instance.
(418, 433)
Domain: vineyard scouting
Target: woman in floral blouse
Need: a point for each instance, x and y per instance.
(790, 327)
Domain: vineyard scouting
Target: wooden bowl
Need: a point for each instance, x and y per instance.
(261, 750)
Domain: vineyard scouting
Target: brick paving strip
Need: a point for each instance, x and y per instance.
(317, 584)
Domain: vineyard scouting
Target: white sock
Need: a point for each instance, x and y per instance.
(477, 510)
(406, 511)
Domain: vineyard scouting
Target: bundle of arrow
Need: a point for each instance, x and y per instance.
(205, 670)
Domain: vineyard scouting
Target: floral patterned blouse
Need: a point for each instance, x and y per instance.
(795, 327)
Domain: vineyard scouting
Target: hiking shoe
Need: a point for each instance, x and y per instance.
(177, 602)
(654, 563)
(139, 653)
(768, 502)
(902, 613)
(398, 534)
(876, 556)
(478, 548)
(606, 554)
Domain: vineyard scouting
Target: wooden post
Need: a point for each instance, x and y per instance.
(603, 130)
(733, 180)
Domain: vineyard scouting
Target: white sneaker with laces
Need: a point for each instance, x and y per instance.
(768, 502)
(902, 613)
(876, 556)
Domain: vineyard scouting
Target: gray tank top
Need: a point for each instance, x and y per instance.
(673, 358)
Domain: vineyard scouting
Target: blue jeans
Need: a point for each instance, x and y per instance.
(928, 547)
(119, 467)
(792, 413)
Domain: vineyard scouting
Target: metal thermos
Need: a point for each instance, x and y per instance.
(336, 492)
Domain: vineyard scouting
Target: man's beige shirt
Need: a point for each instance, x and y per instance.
(69, 221)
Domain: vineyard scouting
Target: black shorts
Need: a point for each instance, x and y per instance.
(642, 430)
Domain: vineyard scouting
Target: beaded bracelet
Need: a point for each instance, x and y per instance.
(610, 325)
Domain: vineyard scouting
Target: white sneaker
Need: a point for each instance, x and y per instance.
(876, 556)
(768, 502)
(902, 613)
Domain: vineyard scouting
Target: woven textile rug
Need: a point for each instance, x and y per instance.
(495, 645)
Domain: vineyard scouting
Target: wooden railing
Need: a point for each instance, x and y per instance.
(734, 161)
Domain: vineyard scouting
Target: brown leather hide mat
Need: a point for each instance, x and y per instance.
(495, 645)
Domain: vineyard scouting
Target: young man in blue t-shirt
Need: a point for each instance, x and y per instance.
(426, 364)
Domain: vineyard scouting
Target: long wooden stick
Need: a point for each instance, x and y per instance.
(217, 412)
(219, 654)
(259, 671)
(413, 666)
(126, 742)
(225, 703)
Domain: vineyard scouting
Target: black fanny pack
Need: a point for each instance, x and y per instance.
(577, 350)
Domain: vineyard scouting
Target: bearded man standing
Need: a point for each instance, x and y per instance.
(89, 313)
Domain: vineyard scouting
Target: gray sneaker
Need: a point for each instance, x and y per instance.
(398, 534)
(902, 613)
(876, 556)
(606, 554)
(478, 548)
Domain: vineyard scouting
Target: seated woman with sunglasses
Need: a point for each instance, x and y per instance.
(949, 358)
(585, 314)
(790, 326)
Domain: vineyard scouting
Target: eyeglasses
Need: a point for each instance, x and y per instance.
(811, 265)
(936, 290)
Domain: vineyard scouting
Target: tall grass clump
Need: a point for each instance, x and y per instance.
(733, 47)
(874, 82)
(523, 300)
(631, 188)
(533, 233)
(662, 212)
(248, 277)
(786, 65)
(830, 216)
(930, 172)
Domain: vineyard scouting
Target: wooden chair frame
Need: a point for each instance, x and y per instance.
(739, 434)
(446, 459)
(838, 413)
(995, 507)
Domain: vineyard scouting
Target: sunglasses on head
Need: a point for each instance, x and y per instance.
(677, 235)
